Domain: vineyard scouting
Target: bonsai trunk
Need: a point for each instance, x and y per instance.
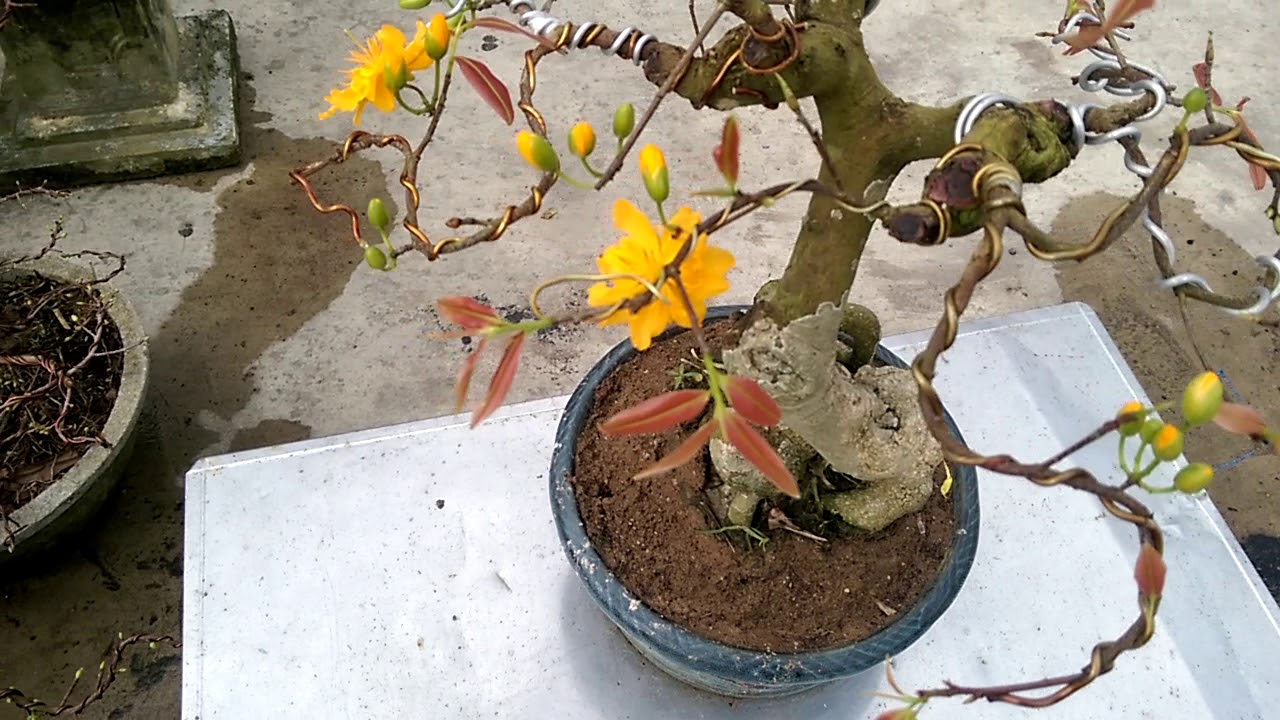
(866, 424)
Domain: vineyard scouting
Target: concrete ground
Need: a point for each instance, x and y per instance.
(265, 328)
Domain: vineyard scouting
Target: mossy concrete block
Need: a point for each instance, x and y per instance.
(196, 130)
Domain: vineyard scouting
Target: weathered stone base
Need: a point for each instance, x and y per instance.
(197, 131)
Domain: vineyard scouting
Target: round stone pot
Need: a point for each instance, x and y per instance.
(713, 666)
(66, 506)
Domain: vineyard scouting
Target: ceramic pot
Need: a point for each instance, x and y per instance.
(720, 668)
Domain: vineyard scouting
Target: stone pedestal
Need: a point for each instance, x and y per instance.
(99, 90)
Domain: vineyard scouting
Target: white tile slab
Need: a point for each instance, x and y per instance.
(323, 580)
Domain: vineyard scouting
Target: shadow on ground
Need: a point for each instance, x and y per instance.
(125, 574)
(1147, 326)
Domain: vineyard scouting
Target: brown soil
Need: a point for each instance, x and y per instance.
(794, 594)
(47, 330)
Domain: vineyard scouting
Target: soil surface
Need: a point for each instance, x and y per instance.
(59, 375)
(792, 594)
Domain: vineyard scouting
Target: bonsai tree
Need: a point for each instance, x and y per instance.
(788, 370)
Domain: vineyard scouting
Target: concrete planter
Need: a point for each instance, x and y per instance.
(67, 505)
(713, 666)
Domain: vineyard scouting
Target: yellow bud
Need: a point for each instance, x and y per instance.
(537, 151)
(1202, 398)
(624, 119)
(1131, 428)
(653, 170)
(1149, 429)
(1167, 443)
(582, 139)
(1193, 478)
(437, 40)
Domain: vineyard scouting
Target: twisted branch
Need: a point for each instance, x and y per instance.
(108, 671)
(1002, 206)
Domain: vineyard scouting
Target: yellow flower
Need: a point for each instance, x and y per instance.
(385, 59)
(644, 251)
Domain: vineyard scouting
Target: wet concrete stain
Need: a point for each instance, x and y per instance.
(277, 263)
(269, 432)
(1146, 324)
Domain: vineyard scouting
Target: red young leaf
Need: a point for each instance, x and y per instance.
(468, 312)
(657, 414)
(497, 23)
(751, 401)
(759, 452)
(1257, 173)
(898, 714)
(1117, 15)
(1150, 571)
(463, 385)
(726, 153)
(489, 87)
(1240, 419)
(503, 377)
(688, 449)
(1201, 71)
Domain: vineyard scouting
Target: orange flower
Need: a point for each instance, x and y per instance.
(382, 66)
(644, 252)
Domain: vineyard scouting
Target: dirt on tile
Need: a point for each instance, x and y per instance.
(268, 278)
(1146, 324)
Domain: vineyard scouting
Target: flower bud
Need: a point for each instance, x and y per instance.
(624, 119)
(395, 77)
(437, 39)
(1196, 100)
(537, 151)
(1167, 443)
(378, 215)
(1149, 429)
(1193, 478)
(1202, 398)
(653, 170)
(414, 4)
(582, 139)
(1131, 428)
(374, 256)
